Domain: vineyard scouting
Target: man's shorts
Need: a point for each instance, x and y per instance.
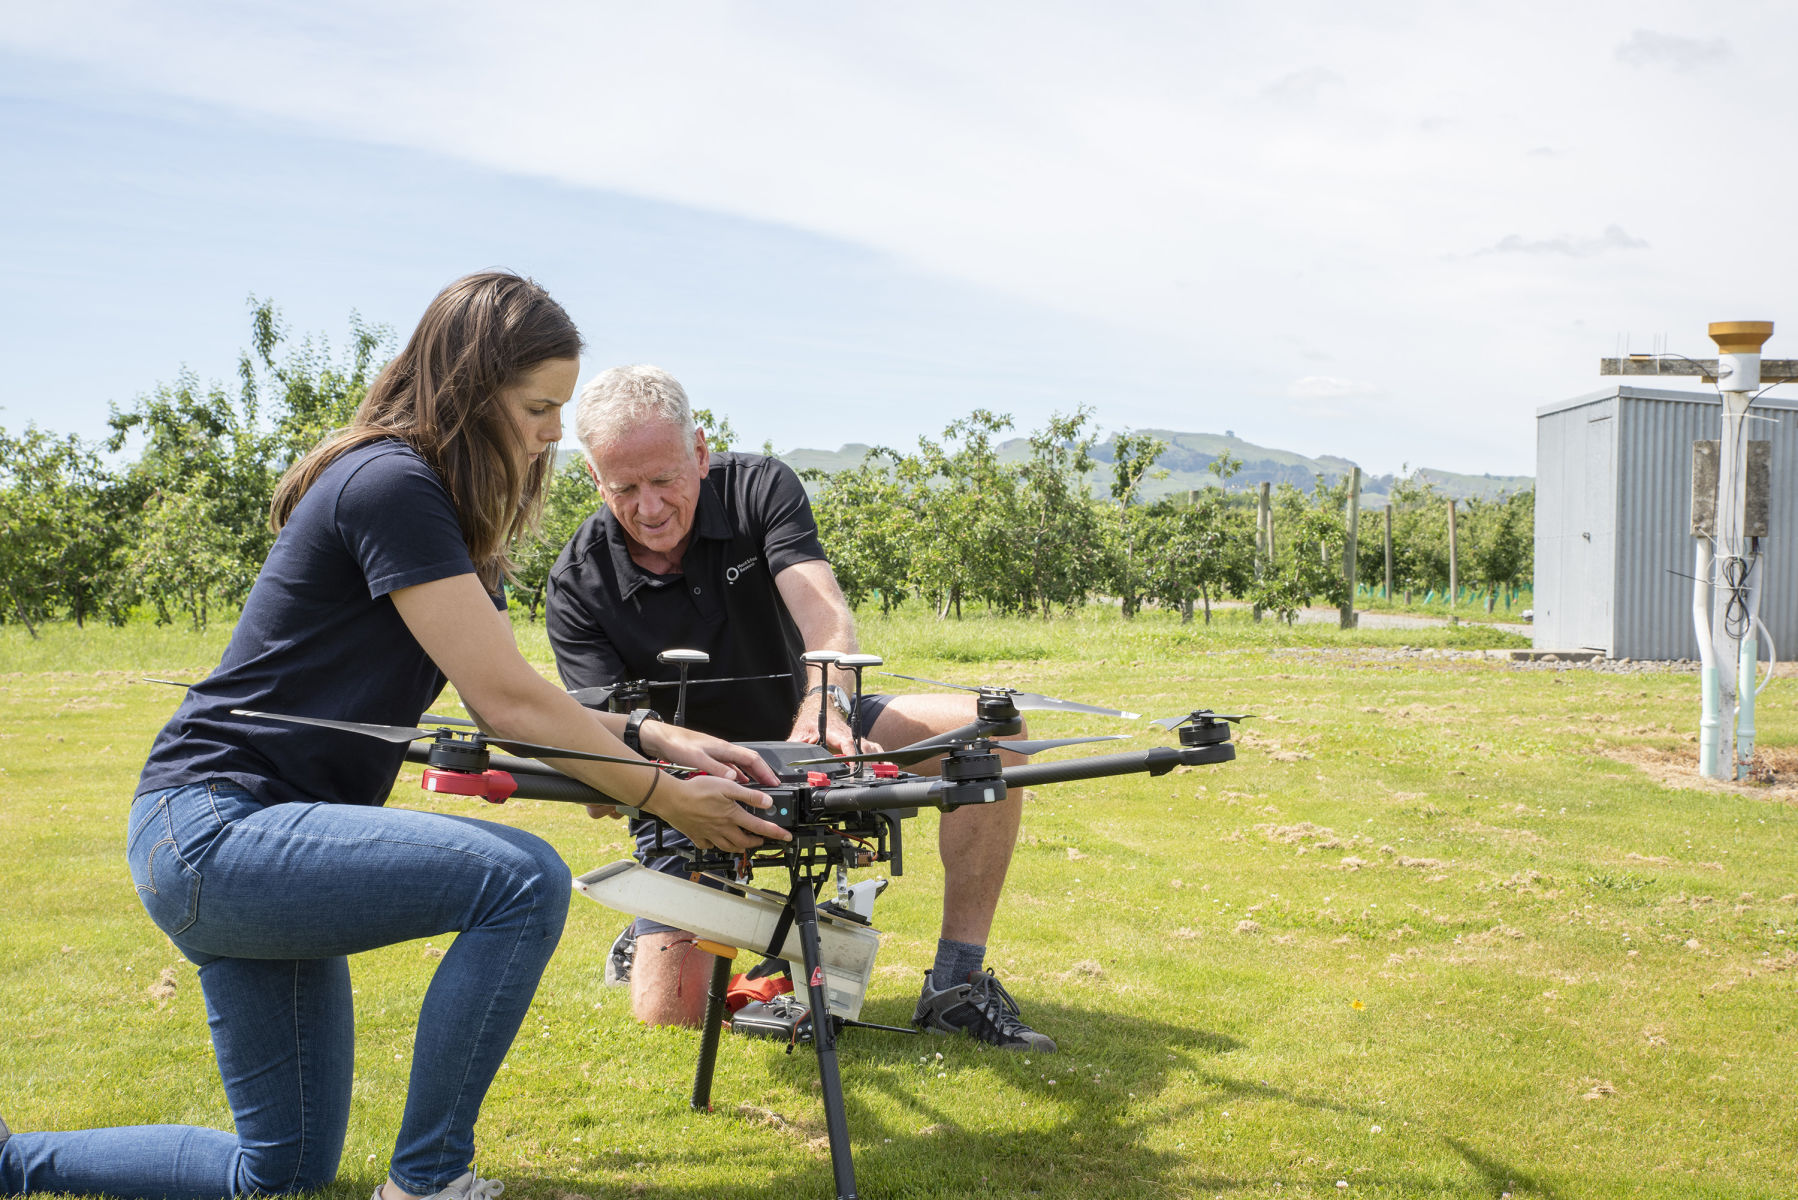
(661, 858)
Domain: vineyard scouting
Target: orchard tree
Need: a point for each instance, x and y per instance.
(1307, 562)
(1202, 548)
(60, 531)
(1055, 525)
(1499, 541)
(1132, 552)
(570, 499)
(963, 500)
(868, 526)
(312, 393)
(187, 556)
(1419, 535)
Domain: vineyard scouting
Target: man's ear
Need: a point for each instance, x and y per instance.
(592, 472)
(702, 451)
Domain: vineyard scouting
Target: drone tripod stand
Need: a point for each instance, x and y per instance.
(802, 908)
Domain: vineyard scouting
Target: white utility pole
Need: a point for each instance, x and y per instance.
(1735, 585)
(1726, 587)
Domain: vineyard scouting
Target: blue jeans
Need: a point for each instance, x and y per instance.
(268, 902)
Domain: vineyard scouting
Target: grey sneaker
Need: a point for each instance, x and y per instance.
(623, 953)
(4, 1131)
(467, 1186)
(981, 1008)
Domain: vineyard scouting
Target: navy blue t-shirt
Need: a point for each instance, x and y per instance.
(320, 637)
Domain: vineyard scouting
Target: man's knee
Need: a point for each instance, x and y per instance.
(669, 979)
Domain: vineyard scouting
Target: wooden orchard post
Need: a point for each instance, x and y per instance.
(1454, 565)
(1264, 537)
(1267, 511)
(1389, 550)
(1349, 547)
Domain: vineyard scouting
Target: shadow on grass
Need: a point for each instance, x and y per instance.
(1079, 1136)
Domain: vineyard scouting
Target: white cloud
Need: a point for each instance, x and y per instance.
(1613, 238)
(1301, 88)
(1327, 385)
(1646, 48)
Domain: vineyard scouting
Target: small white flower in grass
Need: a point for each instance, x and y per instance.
(1051, 1083)
(1342, 1183)
(1375, 1129)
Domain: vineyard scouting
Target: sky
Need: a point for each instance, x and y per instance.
(1384, 231)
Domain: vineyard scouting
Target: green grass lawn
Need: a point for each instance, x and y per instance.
(1432, 934)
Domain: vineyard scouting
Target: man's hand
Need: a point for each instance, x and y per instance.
(710, 810)
(714, 756)
(837, 737)
(596, 811)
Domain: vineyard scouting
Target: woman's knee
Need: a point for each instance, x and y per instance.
(284, 1170)
(535, 878)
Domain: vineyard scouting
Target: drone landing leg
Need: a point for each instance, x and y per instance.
(708, 1038)
(824, 1039)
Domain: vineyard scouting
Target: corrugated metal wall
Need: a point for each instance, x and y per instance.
(1632, 598)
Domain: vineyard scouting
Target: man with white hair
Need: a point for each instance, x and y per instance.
(719, 552)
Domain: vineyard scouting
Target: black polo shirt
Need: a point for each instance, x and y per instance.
(608, 618)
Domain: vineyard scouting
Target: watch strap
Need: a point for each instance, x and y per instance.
(633, 728)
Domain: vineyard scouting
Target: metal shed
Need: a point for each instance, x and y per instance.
(1614, 546)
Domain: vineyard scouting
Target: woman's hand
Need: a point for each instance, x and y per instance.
(714, 756)
(710, 810)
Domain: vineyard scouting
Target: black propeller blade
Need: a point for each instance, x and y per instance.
(428, 716)
(406, 733)
(593, 697)
(1203, 714)
(919, 751)
(1024, 701)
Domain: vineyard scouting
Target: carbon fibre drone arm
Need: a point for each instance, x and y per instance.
(936, 793)
(537, 780)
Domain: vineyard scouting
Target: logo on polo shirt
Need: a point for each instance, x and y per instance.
(732, 574)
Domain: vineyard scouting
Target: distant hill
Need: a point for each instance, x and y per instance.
(1189, 455)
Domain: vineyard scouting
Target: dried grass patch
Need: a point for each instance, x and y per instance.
(1772, 776)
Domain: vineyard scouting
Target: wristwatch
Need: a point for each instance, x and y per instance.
(839, 699)
(633, 728)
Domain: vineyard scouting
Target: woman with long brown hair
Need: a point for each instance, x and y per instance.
(262, 849)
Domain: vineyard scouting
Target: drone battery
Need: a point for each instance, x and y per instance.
(740, 916)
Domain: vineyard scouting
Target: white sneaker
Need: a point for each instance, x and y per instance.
(468, 1187)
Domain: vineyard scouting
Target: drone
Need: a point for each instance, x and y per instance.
(844, 812)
